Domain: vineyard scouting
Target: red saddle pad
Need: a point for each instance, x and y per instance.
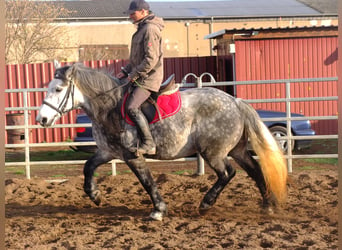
(168, 106)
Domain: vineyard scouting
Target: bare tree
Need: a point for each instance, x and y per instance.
(103, 52)
(32, 34)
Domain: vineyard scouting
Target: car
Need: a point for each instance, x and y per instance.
(84, 134)
(277, 128)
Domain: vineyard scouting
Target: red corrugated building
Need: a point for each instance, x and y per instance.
(283, 53)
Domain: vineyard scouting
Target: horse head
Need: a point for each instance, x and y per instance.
(62, 96)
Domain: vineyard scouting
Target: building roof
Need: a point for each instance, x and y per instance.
(114, 9)
(327, 7)
(255, 33)
(232, 8)
(95, 9)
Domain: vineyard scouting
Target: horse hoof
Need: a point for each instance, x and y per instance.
(156, 215)
(204, 206)
(203, 211)
(96, 197)
(269, 210)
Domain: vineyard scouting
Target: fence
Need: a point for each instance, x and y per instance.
(198, 81)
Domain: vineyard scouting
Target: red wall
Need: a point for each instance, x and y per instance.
(288, 59)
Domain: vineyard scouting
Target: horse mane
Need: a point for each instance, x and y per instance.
(101, 89)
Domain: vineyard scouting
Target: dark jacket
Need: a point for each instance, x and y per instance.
(146, 57)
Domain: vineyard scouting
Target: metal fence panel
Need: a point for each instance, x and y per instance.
(199, 83)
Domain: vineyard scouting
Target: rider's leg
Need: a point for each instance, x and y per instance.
(138, 96)
(148, 146)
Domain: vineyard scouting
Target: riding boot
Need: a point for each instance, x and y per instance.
(147, 146)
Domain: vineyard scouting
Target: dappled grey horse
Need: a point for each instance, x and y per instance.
(210, 122)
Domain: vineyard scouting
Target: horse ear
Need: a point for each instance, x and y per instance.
(57, 64)
(71, 71)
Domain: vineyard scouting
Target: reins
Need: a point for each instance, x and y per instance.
(112, 89)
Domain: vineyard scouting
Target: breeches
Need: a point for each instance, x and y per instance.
(137, 97)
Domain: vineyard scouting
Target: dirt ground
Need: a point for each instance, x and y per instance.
(41, 214)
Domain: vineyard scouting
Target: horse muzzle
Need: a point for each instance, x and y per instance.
(46, 121)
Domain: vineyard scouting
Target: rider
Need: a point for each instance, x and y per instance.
(145, 68)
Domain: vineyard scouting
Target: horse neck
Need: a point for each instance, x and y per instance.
(106, 106)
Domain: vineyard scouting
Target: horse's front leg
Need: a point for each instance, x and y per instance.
(90, 187)
(138, 166)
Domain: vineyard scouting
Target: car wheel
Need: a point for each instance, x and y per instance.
(278, 132)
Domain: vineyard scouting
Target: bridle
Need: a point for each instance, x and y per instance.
(70, 92)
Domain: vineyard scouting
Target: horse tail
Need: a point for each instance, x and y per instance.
(271, 158)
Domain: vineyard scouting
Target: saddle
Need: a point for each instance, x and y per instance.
(164, 103)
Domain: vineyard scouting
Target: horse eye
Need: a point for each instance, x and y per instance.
(59, 89)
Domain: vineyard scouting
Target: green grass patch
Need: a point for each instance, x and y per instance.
(59, 155)
(20, 172)
(181, 172)
(124, 172)
(58, 176)
(15, 170)
(109, 173)
(308, 168)
(330, 161)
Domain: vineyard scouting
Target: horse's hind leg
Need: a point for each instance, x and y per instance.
(245, 160)
(138, 166)
(225, 172)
